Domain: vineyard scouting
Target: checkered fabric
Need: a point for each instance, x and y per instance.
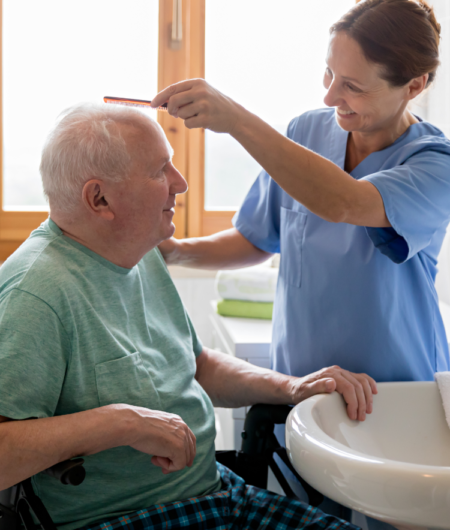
(236, 505)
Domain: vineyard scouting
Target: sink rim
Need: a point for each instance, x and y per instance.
(379, 487)
(311, 428)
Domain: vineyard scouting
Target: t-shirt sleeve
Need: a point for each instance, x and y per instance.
(196, 342)
(34, 350)
(416, 197)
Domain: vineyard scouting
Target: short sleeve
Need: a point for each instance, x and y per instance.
(416, 197)
(34, 353)
(197, 345)
(258, 219)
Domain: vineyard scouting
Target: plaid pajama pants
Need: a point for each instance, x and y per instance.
(236, 505)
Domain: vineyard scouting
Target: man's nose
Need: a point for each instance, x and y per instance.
(178, 183)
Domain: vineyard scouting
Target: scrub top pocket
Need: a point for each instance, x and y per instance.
(125, 380)
(291, 245)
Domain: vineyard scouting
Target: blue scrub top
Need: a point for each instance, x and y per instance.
(361, 298)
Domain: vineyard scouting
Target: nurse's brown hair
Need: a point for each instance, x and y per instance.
(402, 36)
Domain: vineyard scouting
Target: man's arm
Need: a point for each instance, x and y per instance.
(231, 382)
(225, 250)
(30, 446)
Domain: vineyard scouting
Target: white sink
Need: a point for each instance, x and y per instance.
(395, 466)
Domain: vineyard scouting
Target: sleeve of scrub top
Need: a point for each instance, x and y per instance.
(416, 197)
(258, 219)
(33, 360)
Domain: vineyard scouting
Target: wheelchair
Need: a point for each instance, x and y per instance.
(21, 508)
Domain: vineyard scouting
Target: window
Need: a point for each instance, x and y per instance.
(78, 51)
(62, 53)
(270, 57)
(54, 55)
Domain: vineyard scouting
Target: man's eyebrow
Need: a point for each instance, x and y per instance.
(162, 162)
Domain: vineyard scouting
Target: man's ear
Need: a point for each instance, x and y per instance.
(95, 201)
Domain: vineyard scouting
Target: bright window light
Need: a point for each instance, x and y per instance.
(57, 54)
(270, 57)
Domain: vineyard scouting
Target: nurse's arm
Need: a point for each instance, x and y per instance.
(225, 250)
(317, 183)
(233, 383)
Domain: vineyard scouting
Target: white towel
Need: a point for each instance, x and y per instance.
(443, 381)
(253, 284)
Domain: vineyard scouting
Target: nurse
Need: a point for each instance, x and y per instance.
(356, 199)
(357, 202)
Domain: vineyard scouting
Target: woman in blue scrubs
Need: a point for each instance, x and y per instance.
(356, 199)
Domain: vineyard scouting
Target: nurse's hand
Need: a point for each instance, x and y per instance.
(169, 250)
(200, 105)
(356, 389)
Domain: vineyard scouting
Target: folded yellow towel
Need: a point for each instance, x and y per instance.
(239, 308)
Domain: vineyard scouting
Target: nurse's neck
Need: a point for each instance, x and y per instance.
(361, 144)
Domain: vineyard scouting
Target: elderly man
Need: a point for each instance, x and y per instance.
(99, 358)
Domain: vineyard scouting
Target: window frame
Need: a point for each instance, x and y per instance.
(187, 61)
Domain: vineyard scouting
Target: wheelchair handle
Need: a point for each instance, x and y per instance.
(68, 472)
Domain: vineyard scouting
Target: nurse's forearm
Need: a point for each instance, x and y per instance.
(317, 183)
(225, 250)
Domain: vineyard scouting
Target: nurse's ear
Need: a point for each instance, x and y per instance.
(416, 86)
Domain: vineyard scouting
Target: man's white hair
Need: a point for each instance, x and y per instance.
(86, 143)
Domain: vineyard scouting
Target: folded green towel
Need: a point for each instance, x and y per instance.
(238, 308)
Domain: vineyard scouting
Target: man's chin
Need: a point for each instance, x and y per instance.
(168, 233)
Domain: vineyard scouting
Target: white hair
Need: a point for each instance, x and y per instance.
(86, 143)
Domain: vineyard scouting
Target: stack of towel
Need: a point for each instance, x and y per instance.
(247, 292)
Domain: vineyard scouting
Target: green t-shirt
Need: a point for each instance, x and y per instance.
(78, 332)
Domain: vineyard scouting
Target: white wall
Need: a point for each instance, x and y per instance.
(196, 289)
(438, 98)
(437, 112)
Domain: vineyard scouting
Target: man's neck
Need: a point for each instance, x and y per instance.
(95, 239)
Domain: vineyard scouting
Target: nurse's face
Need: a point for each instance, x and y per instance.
(364, 101)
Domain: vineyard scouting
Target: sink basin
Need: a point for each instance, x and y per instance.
(395, 466)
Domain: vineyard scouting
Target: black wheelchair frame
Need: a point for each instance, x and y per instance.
(252, 463)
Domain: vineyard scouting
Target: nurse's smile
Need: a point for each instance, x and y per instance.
(356, 200)
(367, 106)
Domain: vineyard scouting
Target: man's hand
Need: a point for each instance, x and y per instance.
(356, 389)
(165, 436)
(200, 105)
(232, 382)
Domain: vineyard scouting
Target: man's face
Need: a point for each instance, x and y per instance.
(144, 203)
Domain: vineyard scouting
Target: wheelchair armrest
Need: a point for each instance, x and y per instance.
(259, 423)
(68, 472)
